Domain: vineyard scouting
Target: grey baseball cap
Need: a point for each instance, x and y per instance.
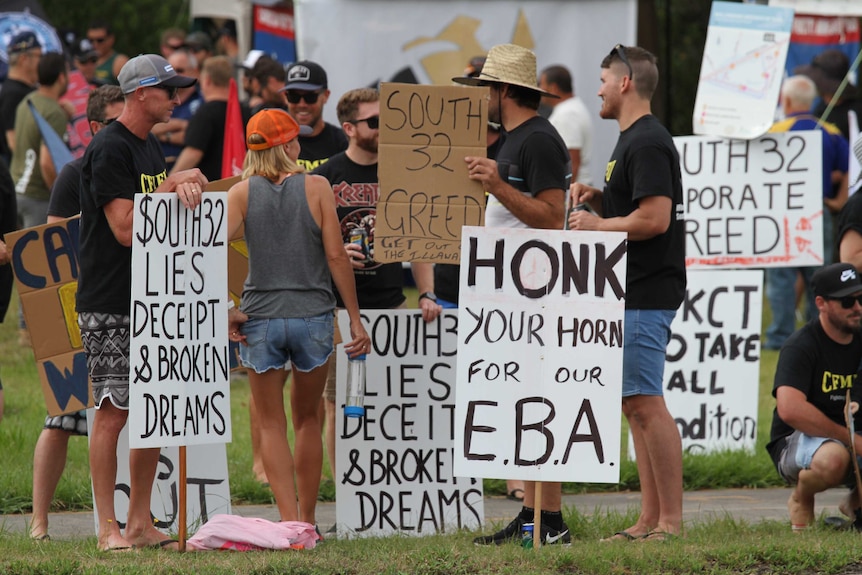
(151, 70)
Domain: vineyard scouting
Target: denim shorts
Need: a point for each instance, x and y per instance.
(647, 333)
(306, 342)
(798, 453)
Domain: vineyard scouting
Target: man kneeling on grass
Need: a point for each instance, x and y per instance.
(817, 365)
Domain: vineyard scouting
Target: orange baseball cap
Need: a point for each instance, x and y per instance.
(275, 126)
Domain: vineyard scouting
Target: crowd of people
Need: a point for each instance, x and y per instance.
(163, 116)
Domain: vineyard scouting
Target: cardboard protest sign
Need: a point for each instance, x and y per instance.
(179, 379)
(45, 263)
(713, 360)
(539, 372)
(742, 69)
(425, 193)
(395, 471)
(207, 485)
(753, 203)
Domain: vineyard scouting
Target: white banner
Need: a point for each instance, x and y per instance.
(753, 203)
(394, 465)
(430, 41)
(712, 369)
(540, 354)
(207, 485)
(179, 379)
(743, 65)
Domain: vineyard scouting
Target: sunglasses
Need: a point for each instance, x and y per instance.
(108, 121)
(170, 91)
(88, 61)
(620, 52)
(98, 40)
(847, 302)
(373, 122)
(294, 97)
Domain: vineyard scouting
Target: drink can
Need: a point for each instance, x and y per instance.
(359, 237)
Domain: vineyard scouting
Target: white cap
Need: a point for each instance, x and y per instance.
(251, 58)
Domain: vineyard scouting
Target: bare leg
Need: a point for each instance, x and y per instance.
(829, 467)
(305, 398)
(268, 391)
(513, 486)
(142, 471)
(107, 424)
(552, 495)
(257, 460)
(49, 460)
(329, 424)
(659, 459)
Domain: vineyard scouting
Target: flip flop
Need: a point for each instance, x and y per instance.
(660, 536)
(43, 537)
(160, 545)
(516, 494)
(620, 536)
(120, 549)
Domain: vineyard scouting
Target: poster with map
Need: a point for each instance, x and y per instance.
(742, 70)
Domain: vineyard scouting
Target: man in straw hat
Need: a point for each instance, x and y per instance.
(526, 189)
(122, 160)
(643, 197)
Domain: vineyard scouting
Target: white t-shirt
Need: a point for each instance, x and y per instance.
(572, 120)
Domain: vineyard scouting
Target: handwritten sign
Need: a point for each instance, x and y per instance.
(539, 375)
(425, 193)
(180, 363)
(394, 465)
(207, 485)
(755, 203)
(713, 360)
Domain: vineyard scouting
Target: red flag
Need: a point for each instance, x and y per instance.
(233, 152)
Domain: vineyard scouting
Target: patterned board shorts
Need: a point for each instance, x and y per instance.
(75, 423)
(106, 341)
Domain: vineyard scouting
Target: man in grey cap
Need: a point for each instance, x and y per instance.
(307, 90)
(122, 160)
(24, 53)
(817, 369)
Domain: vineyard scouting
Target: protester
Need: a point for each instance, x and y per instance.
(269, 75)
(110, 62)
(289, 302)
(227, 41)
(24, 52)
(307, 91)
(828, 69)
(571, 119)
(173, 39)
(808, 442)
(643, 197)
(172, 134)
(200, 45)
(249, 84)
(85, 58)
(122, 160)
(530, 194)
(797, 95)
(378, 285)
(49, 457)
(204, 141)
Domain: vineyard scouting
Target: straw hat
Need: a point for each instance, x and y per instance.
(507, 64)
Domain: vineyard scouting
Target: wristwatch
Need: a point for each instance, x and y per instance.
(428, 294)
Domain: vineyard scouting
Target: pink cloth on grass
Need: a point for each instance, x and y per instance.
(235, 533)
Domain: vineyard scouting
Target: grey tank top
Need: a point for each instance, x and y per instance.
(288, 273)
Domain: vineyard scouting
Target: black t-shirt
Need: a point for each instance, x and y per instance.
(11, 94)
(65, 199)
(205, 132)
(838, 114)
(8, 223)
(823, 370)
(849, 218)
(117, 165)
(645, 163)
(315, 150)
(378, 286)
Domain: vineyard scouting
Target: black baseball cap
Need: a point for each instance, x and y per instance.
(305, 75)
(23, 41)
(836, 280)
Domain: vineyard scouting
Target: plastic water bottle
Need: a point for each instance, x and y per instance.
(355, 404)
(527, 536)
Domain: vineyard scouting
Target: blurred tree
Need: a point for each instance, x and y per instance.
(137, 25)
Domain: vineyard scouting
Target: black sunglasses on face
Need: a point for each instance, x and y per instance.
(108, 121)
(170, 91)
(847, 302)
(620, 52)
(373, 122)
(309, 97)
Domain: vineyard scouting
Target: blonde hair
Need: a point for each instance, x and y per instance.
(269, 163)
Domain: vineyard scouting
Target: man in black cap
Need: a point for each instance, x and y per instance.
(24, 53)
(817, 367)
(828, 70)
(122, 160)
(307, 90)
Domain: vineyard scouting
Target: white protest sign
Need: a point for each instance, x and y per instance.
(394, 465)
(207, 485)
(753, 203)
(743, 64)
(180, 366)
(539, 376)
(712, 368)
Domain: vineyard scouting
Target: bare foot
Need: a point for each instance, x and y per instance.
(801, 513)
(849, 504)
(114, 542)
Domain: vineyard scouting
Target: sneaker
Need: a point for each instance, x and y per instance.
(551, 536)
(509, 534)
